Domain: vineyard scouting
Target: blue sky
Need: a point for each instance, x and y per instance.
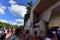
(13, 11)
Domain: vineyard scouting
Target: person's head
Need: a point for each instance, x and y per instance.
(35, 32)
(17, 31)
(49, 34)
(4, 31)
(53, 35)
(21, 31)
(27, 31)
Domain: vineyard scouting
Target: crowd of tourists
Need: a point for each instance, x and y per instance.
(21, 34)
(3, 36)
(3, 33)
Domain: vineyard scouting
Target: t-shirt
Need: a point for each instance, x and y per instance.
(15, 38)
(35, 37)
(3, 37)
(54, 38)
(47, 38)
(27, 37)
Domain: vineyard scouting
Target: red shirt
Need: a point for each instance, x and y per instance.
(54, 38)
(35, 37)
(23, 37)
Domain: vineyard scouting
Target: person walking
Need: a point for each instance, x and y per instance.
(41, 35)
(16, 36)
(3, 36)
(23, 35)
(27, 35)
(35, 37)
(53, 37)
(48, 35)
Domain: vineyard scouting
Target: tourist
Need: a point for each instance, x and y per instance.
(7, 31)
(54, 34)
(35, 37)
(41, 35)
(12, 30)
(53, 37)
(23, 35)
(16, 36)
(48, 37)
(27, 36)
(3, 36)
(58, 34)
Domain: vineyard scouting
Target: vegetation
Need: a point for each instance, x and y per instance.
(5, 25)
(27, 16)
(8, 26)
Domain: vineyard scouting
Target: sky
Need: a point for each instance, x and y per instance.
(13, 11)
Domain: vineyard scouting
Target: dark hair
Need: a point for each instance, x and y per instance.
(17, 31)
(35, 32)
(49, 34)
(4, 31)
(27, 31)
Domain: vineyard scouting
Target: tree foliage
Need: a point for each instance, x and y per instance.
(27, 16)
(6, 25)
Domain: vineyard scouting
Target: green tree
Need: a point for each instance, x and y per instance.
(5, 25)
(27, 16)
(1, 25)
(29, 7)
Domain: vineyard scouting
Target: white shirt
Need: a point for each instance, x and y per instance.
(54, 32)
(47, 38)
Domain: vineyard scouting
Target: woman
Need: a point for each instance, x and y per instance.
(16, 36)
(41, 35)
(35, 37)
(54, 37)
(27, 36)
(23, 35)
(49, 35)
(3, 37)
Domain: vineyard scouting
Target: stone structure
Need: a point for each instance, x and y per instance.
(44, 13)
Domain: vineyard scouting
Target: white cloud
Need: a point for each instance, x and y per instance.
(5, 21)
(14, 23)
(18, 10)
(20, 24)
(2, 9)
(12, 2)
(11, 22)
(19, 21)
